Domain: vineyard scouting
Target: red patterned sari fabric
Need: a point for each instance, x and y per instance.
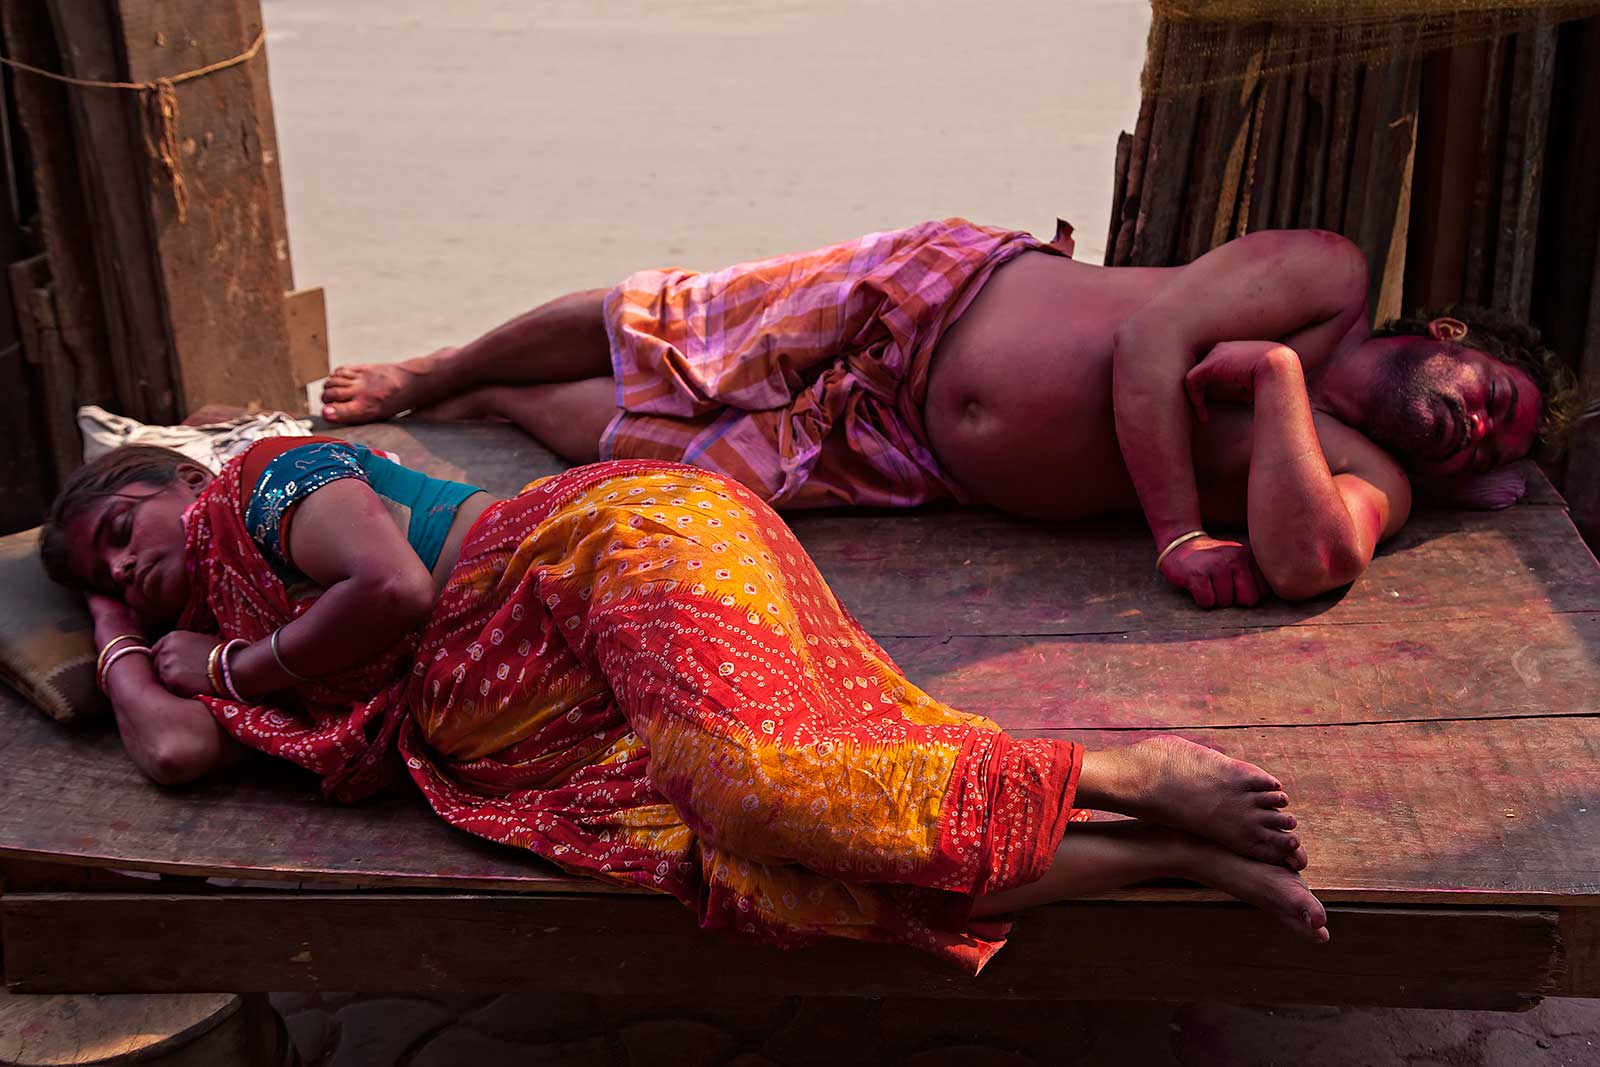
(636, 672)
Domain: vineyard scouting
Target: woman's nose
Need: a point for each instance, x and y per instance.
(122, 570)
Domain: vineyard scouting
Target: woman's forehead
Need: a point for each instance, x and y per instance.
(87, 522)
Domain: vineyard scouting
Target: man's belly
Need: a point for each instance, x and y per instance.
(1067, 467)
(1018, 409)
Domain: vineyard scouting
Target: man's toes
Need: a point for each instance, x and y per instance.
(338, 390)
(1279, 820)
(1273, 800)
(342, 412)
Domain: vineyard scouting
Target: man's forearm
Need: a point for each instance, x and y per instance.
(1155, 427)
(1300, 530)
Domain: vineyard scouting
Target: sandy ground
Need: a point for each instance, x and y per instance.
(448, 165)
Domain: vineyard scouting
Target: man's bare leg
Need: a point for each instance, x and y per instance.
(561, 341)
(1099, 857)
(566, 417)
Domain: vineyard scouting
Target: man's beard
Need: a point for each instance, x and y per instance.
(1415, 390)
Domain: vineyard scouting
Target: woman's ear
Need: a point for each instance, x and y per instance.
(193, 476)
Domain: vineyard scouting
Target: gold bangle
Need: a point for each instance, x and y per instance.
(100, 661)
(1181, 539)
(111, 660)
(211, 670)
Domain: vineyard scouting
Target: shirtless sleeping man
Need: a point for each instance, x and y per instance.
(952, 361)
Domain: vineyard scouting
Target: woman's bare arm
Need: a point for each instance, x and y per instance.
(170, 738)
(376, 590)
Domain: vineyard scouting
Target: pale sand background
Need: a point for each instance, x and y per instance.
(449, 165)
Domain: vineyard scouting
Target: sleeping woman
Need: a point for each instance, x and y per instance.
(632, 670)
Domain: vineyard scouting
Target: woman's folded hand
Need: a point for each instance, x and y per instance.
(181, 660)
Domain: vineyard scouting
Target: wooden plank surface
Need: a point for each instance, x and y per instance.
(1391, 812)
(970, 572)
(1495, 667)
(1486, 958)
(1414, 719)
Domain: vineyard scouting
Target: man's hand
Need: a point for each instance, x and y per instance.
(181, 660)
(1228, 373)
(1218, 574)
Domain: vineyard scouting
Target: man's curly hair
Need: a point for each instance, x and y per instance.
(1512, 341)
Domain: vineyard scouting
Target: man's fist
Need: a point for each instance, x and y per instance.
(1227, 374)
(1218, 574)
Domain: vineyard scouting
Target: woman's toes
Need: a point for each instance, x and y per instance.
(332, 390)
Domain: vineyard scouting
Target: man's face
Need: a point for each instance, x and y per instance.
(1447, 410)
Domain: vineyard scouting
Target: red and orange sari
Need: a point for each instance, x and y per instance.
(636, 673)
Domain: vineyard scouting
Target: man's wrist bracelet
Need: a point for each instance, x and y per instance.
(1181, 539)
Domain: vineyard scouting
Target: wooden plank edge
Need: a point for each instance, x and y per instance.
(537, 884)
(1579, 974)
(1481, 958)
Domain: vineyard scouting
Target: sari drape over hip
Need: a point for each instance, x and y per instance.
(635, 672)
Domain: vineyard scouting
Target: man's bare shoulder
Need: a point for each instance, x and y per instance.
(1351, 453)
(1349, 450)
(1326, 268)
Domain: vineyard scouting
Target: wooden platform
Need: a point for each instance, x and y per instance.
(1438, 727)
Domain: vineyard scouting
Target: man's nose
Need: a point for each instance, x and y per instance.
(1475, 427)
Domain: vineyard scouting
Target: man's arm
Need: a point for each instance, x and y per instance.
(1315, 516)
(1307, 286)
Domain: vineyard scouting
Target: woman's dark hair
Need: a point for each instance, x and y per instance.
(94, 481)
(1512, 341)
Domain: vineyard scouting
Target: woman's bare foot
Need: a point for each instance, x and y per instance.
(369, 392)
(1102, 857)
(1274, 889)
(1178, 783)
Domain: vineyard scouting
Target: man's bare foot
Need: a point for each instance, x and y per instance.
(369, 392)
(1178, 783)
(1274, 889)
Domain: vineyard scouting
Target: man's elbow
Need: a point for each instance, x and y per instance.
(1317, 572)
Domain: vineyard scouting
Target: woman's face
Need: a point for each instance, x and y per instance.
(129, 545)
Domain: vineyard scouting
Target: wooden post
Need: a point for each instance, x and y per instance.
(33, 296)
(224, 267)
(1450, 118)
(63, 223)
(1527, 117)
(111, 157)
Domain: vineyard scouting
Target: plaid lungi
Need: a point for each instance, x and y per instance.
(802, 376)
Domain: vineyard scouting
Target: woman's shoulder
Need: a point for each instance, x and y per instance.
(259, 456)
